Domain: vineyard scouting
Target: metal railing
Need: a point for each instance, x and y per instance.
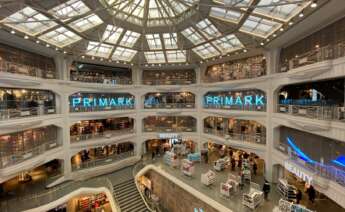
(34, 200)
(100, 79)
(17, 68)
(314, 112)
(230, 76)
(102, 161)
(169, 105)
(236, 107)
(98, 108)
(168, 82)
(22, 112)
(20, 156)
(105, 134)
(169, 129)
(257, 138)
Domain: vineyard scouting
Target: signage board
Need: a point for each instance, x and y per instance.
(298, 172)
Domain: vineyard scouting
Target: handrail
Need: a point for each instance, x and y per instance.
(168, 82)
(169, 129)
(169, 105)
(98, 108)
(236, 107)
(83, 137)
(22, 112)
(32, 71)
(258, 139)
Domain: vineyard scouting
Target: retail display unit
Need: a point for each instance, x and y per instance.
(170, 158)
(286, 190)
(187, 167)
(208, 178)
(253, 199)
(286, 206)
(196, 157)
(219, 165)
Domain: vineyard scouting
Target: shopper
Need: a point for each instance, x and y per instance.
(266, 189)
(241, 180)
(255, 168)
(153, 155)
(298, 196)
(311, 194)
(233, 164)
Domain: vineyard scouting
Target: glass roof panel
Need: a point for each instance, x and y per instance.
(129, 38)
(123, 54)
(29, 21)
(226, 14)
(112, 34)
(208, 29)
(282, 12)
(243, 4)
(86, 23)
(176, 56)
(170, 40)
(69, 9)
(155, 57)
(98, 49)
(259, 26)
(60, 37)
(191, 34)
(206, 51)
(154, 41)
(228, 44)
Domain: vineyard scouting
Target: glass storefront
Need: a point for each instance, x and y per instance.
(101, 128)
(92, 73)
(169, 77)
(249, 100)
(248, 68)
(236, 129)
(18, 61)
(169, 100)
(169, 124)
(20, 103)
(92, 102)
(317, 100)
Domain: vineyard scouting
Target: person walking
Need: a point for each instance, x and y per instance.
(298, 196)
(233, 164)
(241, 181)
(255, 168)
(266, 189)
(311, 194)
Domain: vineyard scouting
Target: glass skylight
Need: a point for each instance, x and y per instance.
(228, 44)
(282, 12)
(69, 10)
(86, 23)
(123, 54)
(259, 26)
(98, 49)
(176, 56)
(129, 38)
(112, 34)
(29, 21)
(60, 37)
(206, 51)
(243, 4)
(170, 40)
(225, 14)
(192, 35)
(154, 41)
(208, 29)
(155, 57)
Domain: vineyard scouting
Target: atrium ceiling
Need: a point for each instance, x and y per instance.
(153, 31)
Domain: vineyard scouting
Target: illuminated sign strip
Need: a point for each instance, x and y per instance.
(101, 102)
(258, 100)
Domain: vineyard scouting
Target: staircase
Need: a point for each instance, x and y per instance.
(128, 197)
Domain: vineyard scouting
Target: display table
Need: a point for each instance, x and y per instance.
(225, 189)
(253, 199)
(170, 158)
(286, 206)
(208, 178)
(187, 167)
(194, 157)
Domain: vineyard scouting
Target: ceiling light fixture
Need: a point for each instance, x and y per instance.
(37, 41)
(301, 15)
(26, 37)
(13, 32)
(262, 44)
(47, 45)
(314, 4)
(290, 23)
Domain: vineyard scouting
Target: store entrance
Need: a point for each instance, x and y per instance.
(180, 146)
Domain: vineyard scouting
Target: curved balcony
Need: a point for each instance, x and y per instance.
(169, 100)
(168, 77)
(169, 124)
(257, 138)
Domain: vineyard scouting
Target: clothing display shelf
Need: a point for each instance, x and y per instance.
(170, 158)
(286, 206)
(208, 178)
(286, 190)
(187, 167)
(253, 199)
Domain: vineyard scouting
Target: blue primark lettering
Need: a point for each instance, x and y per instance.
(128, 101)
(76, 101)
(120, 101)
(103, 102)
(86, 102)
(112, 102)
(238, 101)
(259, 100)
(248, 100)
(209, 100)
(229, 100)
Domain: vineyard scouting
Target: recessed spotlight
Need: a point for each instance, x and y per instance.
(26, 37)
(47, 45)
(245, 50)
(57, 49)
(274, 35)
(13, 32)
(268, 40)
(101, 59)
(301, 15)
(313, 5)
(290, 23)
(262, 44)
(83, 56)
(201, 62)
(281, 29)
(64, 52)
(92, 58)
(37, 41)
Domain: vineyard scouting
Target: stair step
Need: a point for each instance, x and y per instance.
(143, 208)
(132, 197)
(132, 206)
(124, 183)
(126, 192)
(128, 195)
(124, 189)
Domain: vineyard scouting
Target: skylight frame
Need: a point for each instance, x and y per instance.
(98, 49)
(170, 40)
(29, 21)
(176, 56)
(123, 54)
(129, 39)
(193, 35)
(155, 57)
(227, 15)
(206, 51)
(206, 27)
(154, 41)
(112, 34)
(253, 23)
(229, 43)
(86, 23)
(69, 9)
(67, 37)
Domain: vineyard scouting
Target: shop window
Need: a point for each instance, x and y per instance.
(169, 77)
(169, 124)
(169, 100)
(250, 100)
(92, 73)
(252, 67)
(91, 102)
(20, 103)
(18, 61)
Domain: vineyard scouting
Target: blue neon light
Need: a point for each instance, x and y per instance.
(299, 152)
(258, 100)
(340, 161)
(101, 102)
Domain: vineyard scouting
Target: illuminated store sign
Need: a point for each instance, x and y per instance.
(299, 173)
(258, 100)
(101, 102)
(168, 135)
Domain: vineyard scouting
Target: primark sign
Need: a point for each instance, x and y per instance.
(256, 100)
(101, 102)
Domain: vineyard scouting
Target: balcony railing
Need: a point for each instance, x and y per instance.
(326, 171)
(17, 68)
(169, 106)
(23, 112)
(102, 161)
(258, 138)
(98, 135)
(97, 108)
(168, 82)
(20, 156)
(236, 107)
(169, 129)
(314, 112)
(100, 79)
